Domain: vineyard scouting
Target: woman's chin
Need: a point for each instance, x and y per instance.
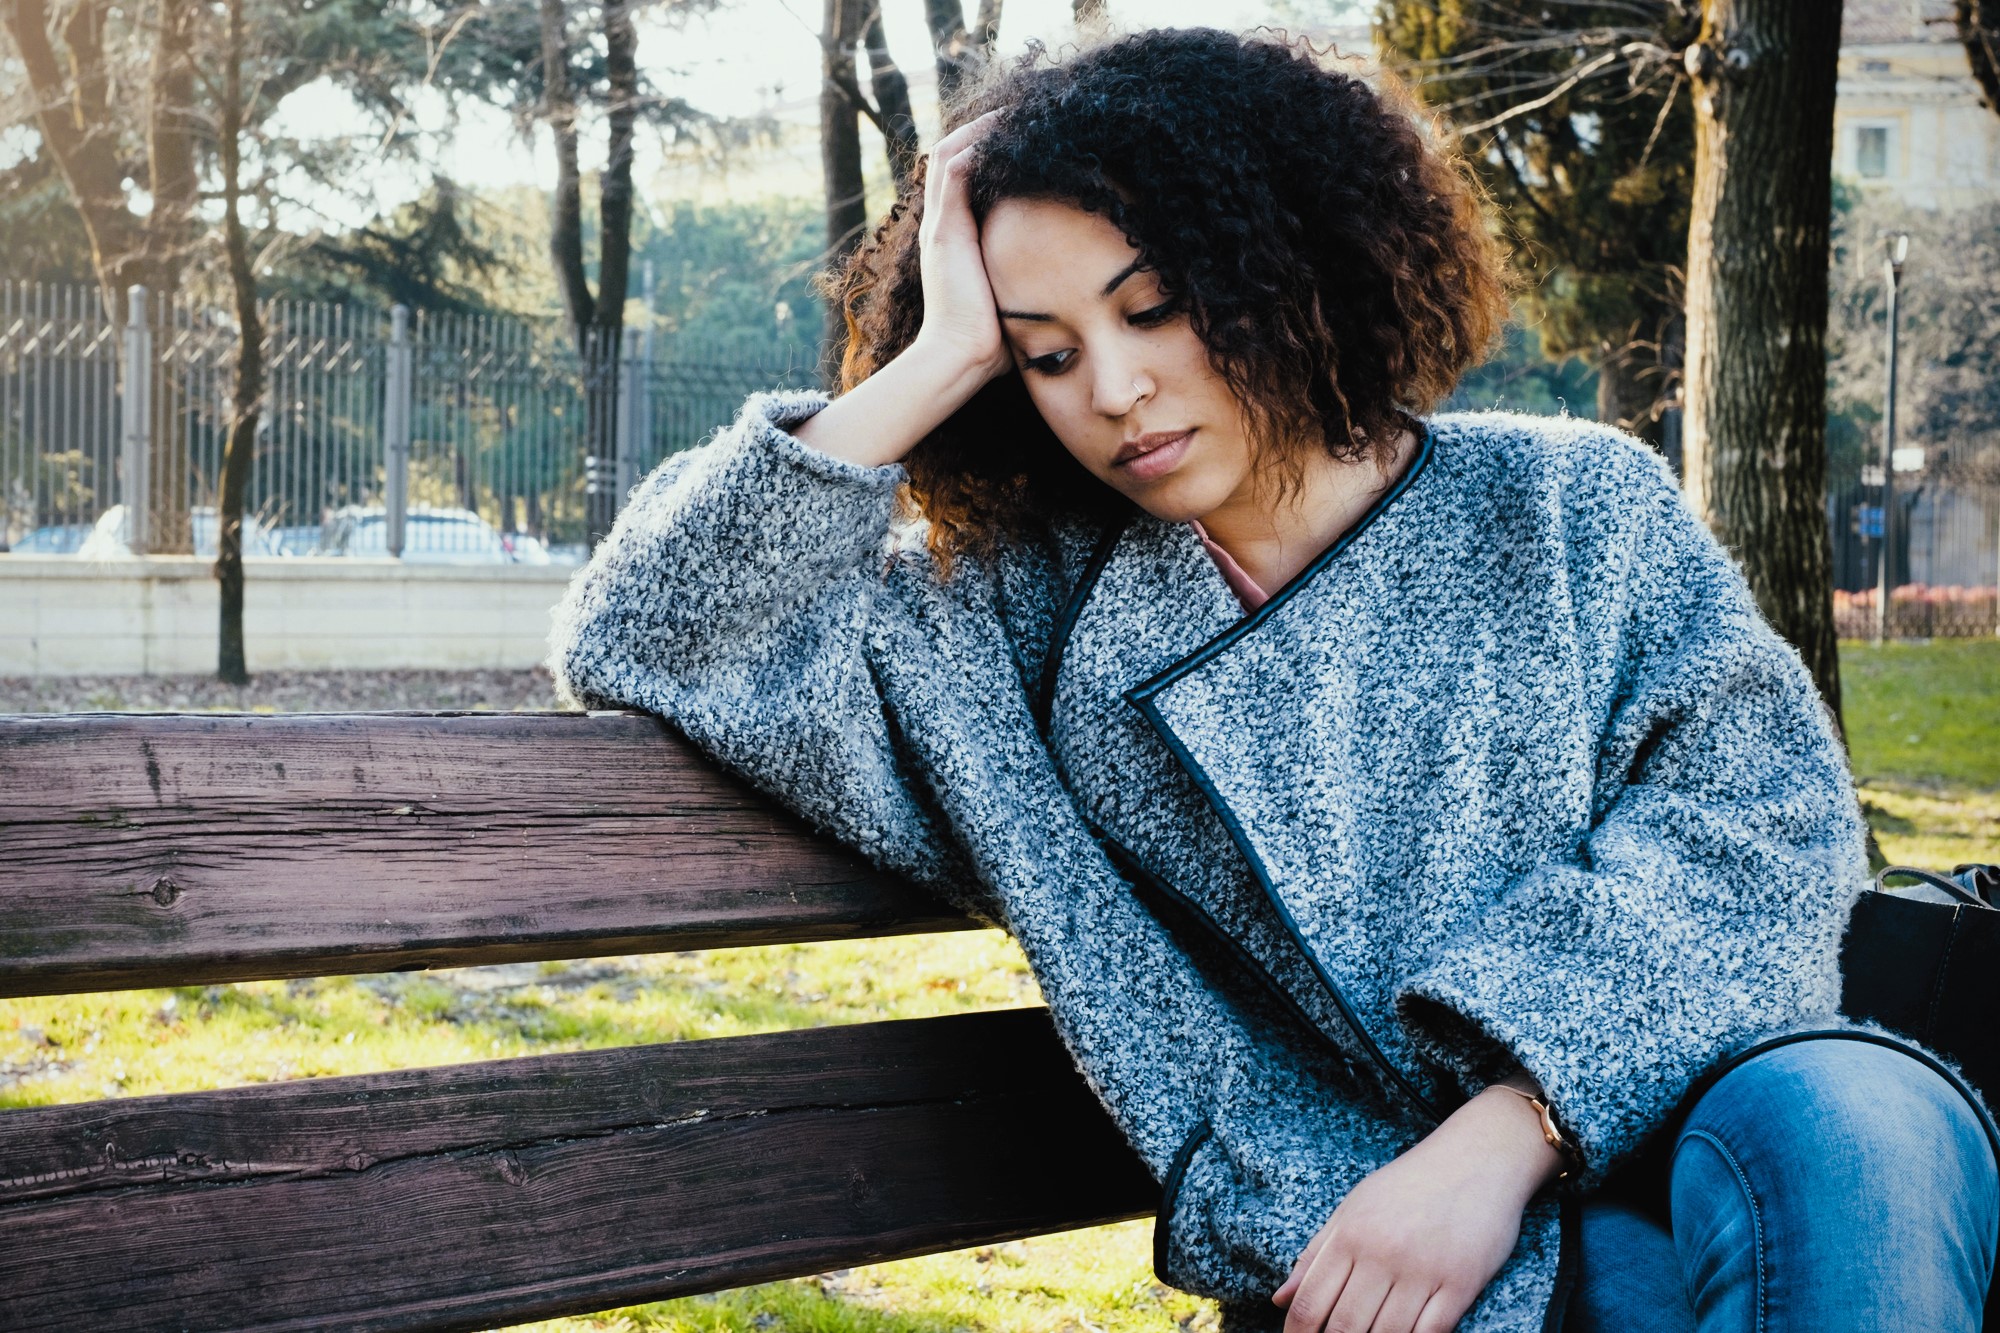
(1175, 498)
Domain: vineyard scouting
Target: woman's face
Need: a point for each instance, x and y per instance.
(1116, 372)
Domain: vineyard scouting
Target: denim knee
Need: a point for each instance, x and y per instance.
(1836, 1174)
(1829, 1101)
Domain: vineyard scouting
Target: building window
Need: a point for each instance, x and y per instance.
(1871, 151)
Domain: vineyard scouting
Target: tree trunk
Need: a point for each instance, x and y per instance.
(1979, 30)
(986, 30)
(952, 45)
(614, 262)
(614, 194)
(892, 97)
(566, 217)
(1755, 430)
(840, 165)
(75, 122)
(172, 122)
(1629, 382)
(240, 456)
(75, 118)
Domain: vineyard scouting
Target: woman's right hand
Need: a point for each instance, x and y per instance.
(958, 349)
(959, 317)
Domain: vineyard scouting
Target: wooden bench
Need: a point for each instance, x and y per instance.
(152, 850)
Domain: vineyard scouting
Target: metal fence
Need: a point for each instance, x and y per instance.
(1943, 551)
(474, 436)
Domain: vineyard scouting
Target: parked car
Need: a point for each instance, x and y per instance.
(297, 538)
(111, 537)
(54, 539)
(432, 535)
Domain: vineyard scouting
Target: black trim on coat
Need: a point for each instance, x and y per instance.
(1170, 1192)
(1043, 705)
(1175, 910)
(1141, 697)
(1228, 637)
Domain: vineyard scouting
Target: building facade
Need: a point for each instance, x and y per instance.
(1908, 117)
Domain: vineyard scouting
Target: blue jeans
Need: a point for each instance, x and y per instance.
(1829, 1185)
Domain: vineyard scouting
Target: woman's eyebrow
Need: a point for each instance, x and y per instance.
(1109, 288)
(1123, 274)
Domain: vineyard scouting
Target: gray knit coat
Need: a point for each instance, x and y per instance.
(1513, 775)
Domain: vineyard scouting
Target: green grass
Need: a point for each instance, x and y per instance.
(1923, 726)
(1924, 721)
(132, 1043)
(1083, 1280)
(1925, 714)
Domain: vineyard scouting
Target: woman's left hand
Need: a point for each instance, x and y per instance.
(1411, 1247)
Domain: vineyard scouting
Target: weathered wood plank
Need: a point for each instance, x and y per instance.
(144, 850)
(455, 1198)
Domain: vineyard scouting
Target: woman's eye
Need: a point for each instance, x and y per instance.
(1052, 364)
(1159, 314)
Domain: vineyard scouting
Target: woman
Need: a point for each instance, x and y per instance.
(1426, 851)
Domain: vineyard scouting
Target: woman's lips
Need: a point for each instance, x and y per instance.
(1156, 455)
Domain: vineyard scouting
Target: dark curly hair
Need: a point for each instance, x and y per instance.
(1332, 260)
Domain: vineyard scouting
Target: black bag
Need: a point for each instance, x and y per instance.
(1925, 961)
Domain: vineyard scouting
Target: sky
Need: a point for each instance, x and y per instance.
(750, 57)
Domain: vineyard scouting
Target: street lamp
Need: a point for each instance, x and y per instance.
(1896, 248)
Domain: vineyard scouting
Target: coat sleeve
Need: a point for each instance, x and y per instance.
(1705, 907)
(738, 596)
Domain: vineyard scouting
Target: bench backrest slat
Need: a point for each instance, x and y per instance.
(140, 850)
(456, 1198)
(147, 850)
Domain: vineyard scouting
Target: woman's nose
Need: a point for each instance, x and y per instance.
(1118, 387)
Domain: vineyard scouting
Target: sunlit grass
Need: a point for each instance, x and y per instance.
(131, 1043)
(1917, 828)
(1923, 726)
(1099, 1279)
(1924, 715)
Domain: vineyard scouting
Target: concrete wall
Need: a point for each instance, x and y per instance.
(60, 616)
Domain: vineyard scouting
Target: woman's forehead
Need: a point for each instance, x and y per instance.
(1044, 257)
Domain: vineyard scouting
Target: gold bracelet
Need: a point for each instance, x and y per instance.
(1550, 1134)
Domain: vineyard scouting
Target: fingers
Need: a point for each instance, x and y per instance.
(1403, 1307)
(1442, 1312)
(1318, 1291)
(1362, 1297)
(953, 147)
(1284, 1294)
(964, 136)
(1328, 1292)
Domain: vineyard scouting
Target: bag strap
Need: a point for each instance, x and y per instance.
(1964, 892)
(1983, 880)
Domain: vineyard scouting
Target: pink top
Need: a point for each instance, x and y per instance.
(1240, 583)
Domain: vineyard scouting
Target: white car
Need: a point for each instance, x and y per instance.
(431, 536)
(111, 537)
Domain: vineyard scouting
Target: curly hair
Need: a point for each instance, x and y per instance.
(1333, 261)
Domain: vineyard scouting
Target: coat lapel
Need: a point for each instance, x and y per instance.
(1259, 718)
(1160, 612)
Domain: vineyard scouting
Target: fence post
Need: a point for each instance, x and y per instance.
(397, 408)
(136, 405)
(634, 411)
